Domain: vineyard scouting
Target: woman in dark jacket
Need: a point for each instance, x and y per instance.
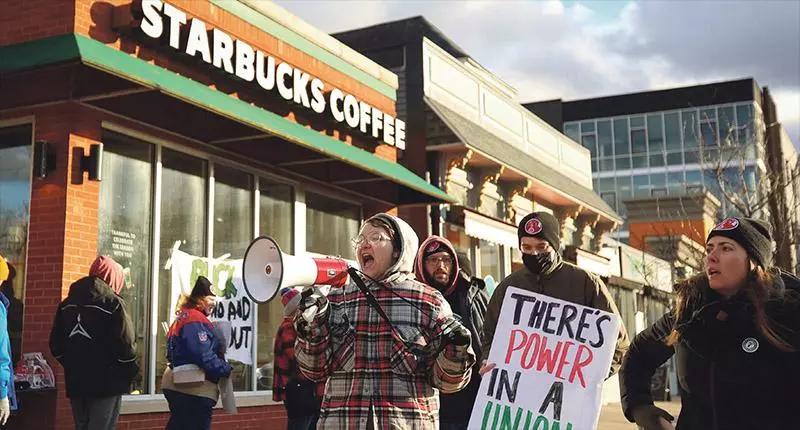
(736, 335)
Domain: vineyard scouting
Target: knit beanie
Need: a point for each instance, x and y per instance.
(435, 246)
(754, 235)
(541, 225)
(202, 288)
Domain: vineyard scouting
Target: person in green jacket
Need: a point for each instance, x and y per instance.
(544, 272)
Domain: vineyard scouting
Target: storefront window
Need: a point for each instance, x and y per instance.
(458, 237)
(124, 231)
(15, 199)
(183, 222)
(331, 225)
(276, 219)
(233, 232)
(490, 260)
(626, 303)
(516, 260)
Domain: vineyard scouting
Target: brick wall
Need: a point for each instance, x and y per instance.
(61, 246)
(267, 417)
(26, 20)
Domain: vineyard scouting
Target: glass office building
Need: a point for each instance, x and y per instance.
(669, 142)
(669, 152)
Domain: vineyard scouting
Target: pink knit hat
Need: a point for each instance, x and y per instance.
(109, 271)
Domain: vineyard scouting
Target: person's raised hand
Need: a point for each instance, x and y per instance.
(485, 368)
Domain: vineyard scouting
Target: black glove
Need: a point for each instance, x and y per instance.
(651, 417)
(459, 336)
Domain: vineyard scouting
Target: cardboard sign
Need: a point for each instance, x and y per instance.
(551, 358)
(232, 302)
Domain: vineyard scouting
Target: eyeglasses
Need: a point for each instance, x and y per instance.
(436, 261)
(372, 239)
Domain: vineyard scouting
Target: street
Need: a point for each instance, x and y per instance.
(611, 417)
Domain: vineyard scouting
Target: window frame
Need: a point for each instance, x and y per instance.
(149, 400)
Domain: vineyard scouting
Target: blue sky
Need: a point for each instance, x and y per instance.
(574, 49)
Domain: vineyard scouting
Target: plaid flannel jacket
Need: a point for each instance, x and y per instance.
(370, 374)
(285, 368)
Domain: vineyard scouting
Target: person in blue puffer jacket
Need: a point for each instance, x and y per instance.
(8, 400)
(191, 341)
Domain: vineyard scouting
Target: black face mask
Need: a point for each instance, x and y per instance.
(539, 263)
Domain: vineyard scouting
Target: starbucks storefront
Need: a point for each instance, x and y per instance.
(168, 134)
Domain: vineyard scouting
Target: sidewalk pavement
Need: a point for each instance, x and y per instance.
(611, 417)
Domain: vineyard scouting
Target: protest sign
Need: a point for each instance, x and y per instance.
(551, 359)
(232, 304)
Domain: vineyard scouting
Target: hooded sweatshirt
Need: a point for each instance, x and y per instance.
(469, 300)
(92, 337)
(373, 379)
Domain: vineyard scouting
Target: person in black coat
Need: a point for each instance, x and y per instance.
(735, 333)
(92, 338)
(440, 266)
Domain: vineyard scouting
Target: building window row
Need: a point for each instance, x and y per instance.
(664, 138)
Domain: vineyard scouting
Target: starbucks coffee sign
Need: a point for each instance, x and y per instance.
(163, 22)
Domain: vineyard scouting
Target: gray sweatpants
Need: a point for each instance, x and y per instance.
(96, 413)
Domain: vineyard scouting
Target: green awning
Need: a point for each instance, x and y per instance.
(75, 47)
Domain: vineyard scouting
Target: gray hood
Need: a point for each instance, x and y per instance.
(409, 243)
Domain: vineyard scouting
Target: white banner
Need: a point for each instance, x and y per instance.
(233, 304)
(552, 357)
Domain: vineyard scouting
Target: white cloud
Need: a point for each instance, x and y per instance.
(549, 50)
(553, 7)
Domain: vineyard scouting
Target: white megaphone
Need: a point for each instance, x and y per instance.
(266, 270)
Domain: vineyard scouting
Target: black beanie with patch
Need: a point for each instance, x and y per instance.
(541, 225)
(202, 288)
(754, 235)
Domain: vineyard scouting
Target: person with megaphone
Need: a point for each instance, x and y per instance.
(386, 343)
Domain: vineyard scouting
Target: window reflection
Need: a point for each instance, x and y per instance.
(490, 260)
(15, 197)
(124, 231)
(183, 221)
(330, 224)
(233, 231)
(276, 217)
